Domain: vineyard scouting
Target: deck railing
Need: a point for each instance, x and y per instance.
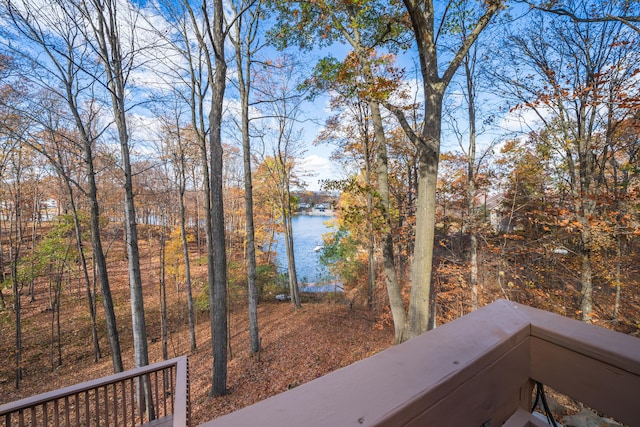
(110, 401)
(478, 370)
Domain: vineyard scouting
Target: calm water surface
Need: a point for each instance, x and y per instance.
(307, 235)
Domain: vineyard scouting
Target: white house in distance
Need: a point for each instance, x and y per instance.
(47, 210)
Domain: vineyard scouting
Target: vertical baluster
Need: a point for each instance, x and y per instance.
(115, 404)
(106, 406)
(77, 406)
(56, 420)
(156, 397)
(168, 388)
(97, 399)
(124, 402)
(86, 408)
(33, 416)
(20, 418)
(133, 402)
(45, 414)
(164, 392)
(172, 385)
(66, 411)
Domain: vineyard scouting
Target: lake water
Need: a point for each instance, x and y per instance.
(307, 235)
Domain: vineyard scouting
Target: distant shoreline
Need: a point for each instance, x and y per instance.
(316, 212)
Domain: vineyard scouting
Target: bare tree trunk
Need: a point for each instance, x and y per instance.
(14, 251)
(163, 291)
(3, 305)
(34, 228)
(101, 262)
(85, 271)
(586, 275)
(618, 280)
(243, 51)
(219, 289)
(289, 247)
(393, 287)
(371, 273)
(185, 251)
(471, 183)
(422, 15)
(106, 30)
(17, 308)
(428, 155)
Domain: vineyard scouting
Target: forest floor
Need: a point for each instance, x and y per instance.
(297, 345)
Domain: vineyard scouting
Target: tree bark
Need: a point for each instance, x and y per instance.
(219, 289)
(185, 253)
(100, 261)
(107, 34)
(163, 291)
(85, 272)
(471, 185)
(422, 15)
(243, 62)
(289, 246)
(391, 278)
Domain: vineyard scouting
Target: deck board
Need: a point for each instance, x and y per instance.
(160, 422)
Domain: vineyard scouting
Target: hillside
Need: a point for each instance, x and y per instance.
(297, 345)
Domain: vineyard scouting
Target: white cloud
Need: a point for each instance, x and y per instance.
(314, 169)
(520, 120)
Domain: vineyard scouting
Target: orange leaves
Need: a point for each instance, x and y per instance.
(512, 236)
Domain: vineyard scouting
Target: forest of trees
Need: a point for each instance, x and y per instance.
(489, 149)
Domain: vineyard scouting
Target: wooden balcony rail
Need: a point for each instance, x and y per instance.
(478, 370)
(110, 401)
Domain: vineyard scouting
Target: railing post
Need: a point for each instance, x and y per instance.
(181, 415)
(526, 395)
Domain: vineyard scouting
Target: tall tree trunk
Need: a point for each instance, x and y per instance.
(14, 251)
(393, 287)
(108, 37)
(618, 279)
(388, 257)
(471, 184)
(428, 156)
(97, 354)
(185, 253)
(288, 232)
(371, 273)
(422, 15)
(219, 290)
(243, 63)
(163, 290)
(106, 29)
(101, 262)
(141, 353)
(17, 309)
(586, 275)
(2, 271)
(291, 260)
